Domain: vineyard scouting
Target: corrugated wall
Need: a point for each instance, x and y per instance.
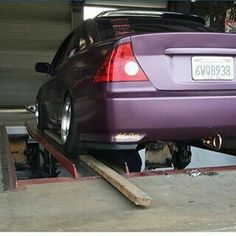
(30, 32)
(130, 3)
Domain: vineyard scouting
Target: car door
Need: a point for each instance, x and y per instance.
(69, 72)
(50, 88)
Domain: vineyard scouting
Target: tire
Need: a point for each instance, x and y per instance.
(41, 114)
(182, 156)
(69, 136)
(133, 160)
(131, 157)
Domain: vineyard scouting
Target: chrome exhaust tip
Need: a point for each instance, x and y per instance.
(213, 142)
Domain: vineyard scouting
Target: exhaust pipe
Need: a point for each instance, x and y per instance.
(213, 142)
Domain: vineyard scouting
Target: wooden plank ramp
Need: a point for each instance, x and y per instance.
(129, 190)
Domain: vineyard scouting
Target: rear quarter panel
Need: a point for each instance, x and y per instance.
(84, 91)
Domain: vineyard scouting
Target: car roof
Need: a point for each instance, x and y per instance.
(149, 13)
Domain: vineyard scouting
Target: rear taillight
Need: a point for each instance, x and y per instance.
(120, 65)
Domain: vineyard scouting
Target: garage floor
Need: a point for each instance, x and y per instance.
(180, 203)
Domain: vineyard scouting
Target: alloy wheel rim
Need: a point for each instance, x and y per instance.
(37, 111)
(66, 120)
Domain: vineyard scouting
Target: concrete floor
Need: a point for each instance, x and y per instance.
(180, 203)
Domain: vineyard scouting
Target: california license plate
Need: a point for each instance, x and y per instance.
(212, 68)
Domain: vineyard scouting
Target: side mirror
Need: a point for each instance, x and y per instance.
(42, 67)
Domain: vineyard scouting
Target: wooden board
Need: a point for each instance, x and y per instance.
(133, 193)
(7, 167)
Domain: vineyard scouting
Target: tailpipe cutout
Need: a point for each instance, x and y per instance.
(213, 141)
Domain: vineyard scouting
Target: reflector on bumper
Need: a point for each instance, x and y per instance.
(127, 137)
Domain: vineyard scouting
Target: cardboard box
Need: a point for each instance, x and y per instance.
(17, 148)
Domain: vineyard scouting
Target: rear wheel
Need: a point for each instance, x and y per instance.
(120, 157)
(40, 114)
(69, 137)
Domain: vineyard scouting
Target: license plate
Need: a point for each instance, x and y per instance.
(212, 68)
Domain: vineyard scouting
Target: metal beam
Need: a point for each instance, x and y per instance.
(132, 3)
(77, 12)
(7, 167)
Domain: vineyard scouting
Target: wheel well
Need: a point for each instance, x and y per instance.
(67, 93)
(70, 94)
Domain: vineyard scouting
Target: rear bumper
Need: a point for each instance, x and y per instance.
(144, 119)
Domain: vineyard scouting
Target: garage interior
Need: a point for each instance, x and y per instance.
(65, 196)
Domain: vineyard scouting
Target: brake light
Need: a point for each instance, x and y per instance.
(120, 65)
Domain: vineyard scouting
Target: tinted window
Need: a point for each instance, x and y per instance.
(71, 47)
(77, 43)
(82, 40)
(73, 43)
(111, 27)
(61, 52)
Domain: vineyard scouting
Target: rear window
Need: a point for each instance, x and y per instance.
(111, 27)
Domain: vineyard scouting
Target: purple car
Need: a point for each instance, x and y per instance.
(129, 78)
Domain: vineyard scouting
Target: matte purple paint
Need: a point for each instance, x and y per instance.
(160, 117)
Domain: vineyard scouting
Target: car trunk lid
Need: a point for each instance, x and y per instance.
(187, 61)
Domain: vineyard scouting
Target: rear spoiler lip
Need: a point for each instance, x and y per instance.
(151, 14)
